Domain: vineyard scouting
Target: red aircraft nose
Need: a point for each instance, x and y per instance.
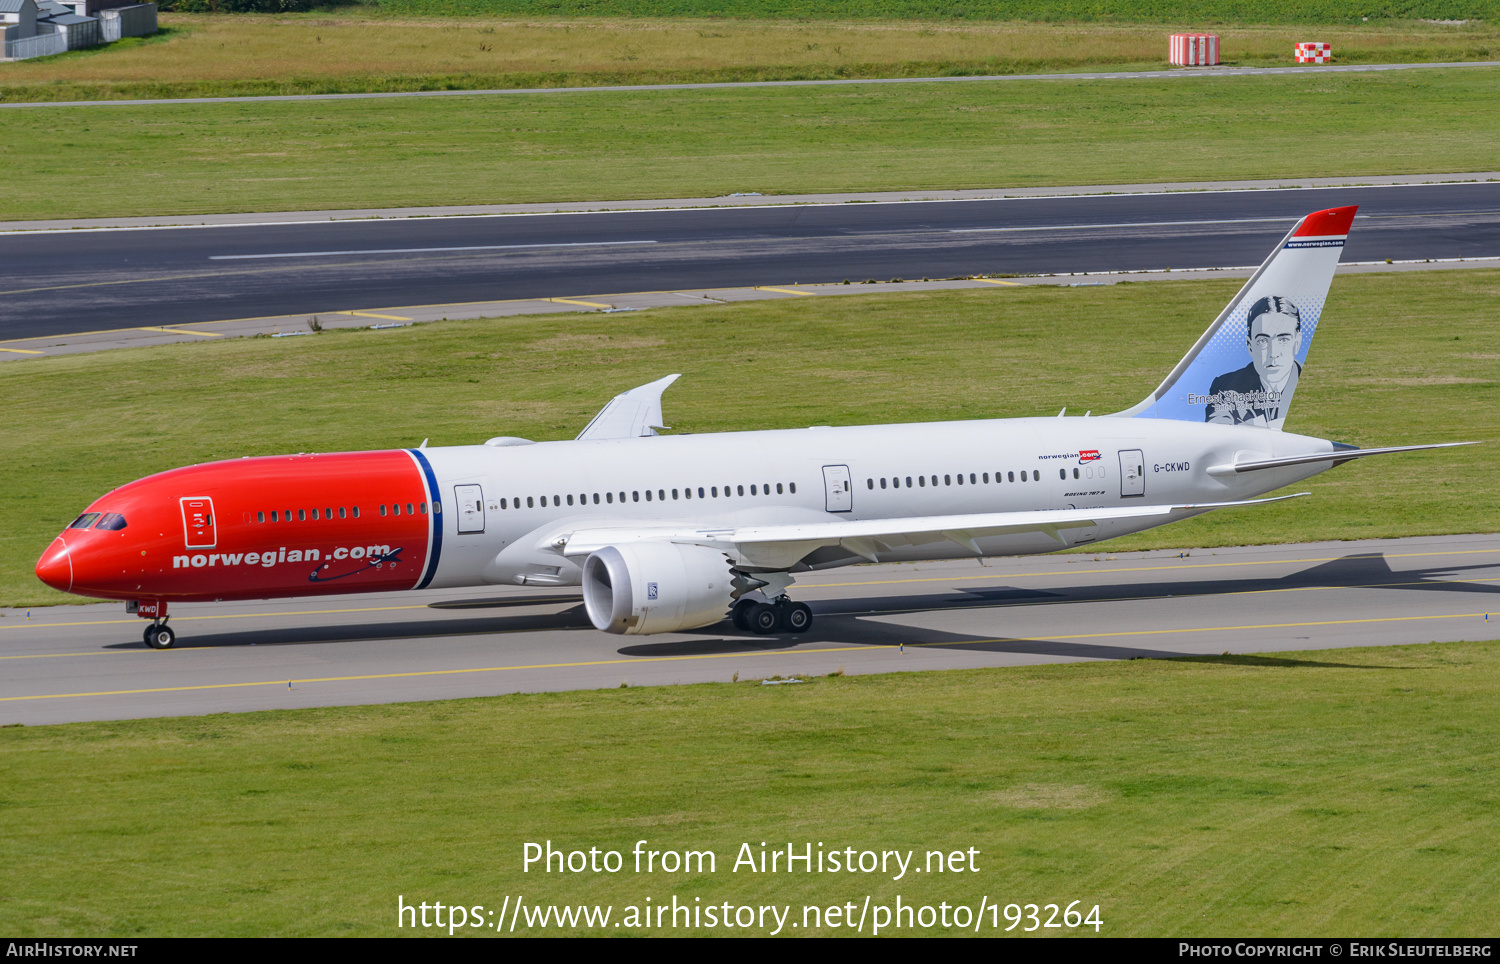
(55, 568)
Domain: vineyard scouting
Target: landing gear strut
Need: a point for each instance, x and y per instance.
(157, 635)
(764, 619)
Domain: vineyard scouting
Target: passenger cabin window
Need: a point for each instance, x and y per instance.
(356, 512)
(260, 517)
(301, 515)
(382, 512)
(84, 521)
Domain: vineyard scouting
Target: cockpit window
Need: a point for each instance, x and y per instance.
(84, 521)
(111, 520)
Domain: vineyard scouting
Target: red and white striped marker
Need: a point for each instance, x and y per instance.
(1311, 53)
(1194, 50)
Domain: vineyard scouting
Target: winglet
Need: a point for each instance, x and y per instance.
(631, 414)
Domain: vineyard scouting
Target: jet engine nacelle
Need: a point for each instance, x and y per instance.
(641, 588)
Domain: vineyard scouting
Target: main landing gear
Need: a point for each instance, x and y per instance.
(766, 618)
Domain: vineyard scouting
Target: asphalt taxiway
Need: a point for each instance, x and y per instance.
(65, 282)
(78, 663)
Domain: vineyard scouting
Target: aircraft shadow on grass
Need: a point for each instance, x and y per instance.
(840, 621)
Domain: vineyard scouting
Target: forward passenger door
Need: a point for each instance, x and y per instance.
(470, 499)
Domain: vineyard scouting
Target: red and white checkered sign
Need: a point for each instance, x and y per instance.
(1194, 50)
(1314, 53)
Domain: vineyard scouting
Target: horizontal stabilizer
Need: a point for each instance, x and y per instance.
(1337, 457)
(631, 414)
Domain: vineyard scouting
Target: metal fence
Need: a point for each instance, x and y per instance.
(42, 45)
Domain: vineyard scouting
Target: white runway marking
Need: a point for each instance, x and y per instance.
(466, 247)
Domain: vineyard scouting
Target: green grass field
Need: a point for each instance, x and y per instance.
(358, 50)
(1340, 793)
(1132, 11)
(547, 147)
(1400, 358)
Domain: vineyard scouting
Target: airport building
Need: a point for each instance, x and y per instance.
(40, 28)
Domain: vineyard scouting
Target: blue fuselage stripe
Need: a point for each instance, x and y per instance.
(435, 516)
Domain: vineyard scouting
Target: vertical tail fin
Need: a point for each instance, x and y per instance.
(1243, 370)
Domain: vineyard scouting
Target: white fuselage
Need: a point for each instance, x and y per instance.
(529, 493)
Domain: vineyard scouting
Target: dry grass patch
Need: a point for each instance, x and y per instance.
(1050, 796)
(353, 52)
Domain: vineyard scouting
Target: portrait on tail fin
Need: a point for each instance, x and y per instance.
(1272, 319)
(1260, 393)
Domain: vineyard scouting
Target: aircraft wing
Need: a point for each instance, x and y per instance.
(781, 546)
(630, 414)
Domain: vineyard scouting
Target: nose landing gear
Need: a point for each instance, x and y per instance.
(160, 636)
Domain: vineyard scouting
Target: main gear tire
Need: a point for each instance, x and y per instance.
(796, 617)
(763, 619)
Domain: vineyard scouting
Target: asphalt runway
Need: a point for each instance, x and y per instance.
(87, 662)
(61, 282)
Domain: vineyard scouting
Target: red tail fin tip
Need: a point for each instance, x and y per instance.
(1326, 224)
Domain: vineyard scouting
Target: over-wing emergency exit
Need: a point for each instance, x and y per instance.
(671, 533)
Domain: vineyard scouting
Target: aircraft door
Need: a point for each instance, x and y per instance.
(470, 499)
(1132, 473)
(838, 488)
(198, 527)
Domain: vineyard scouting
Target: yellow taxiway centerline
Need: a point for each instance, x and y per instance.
(574, 301)
(785, 291)
(792, 652)
(180, 331)
(371, 314)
